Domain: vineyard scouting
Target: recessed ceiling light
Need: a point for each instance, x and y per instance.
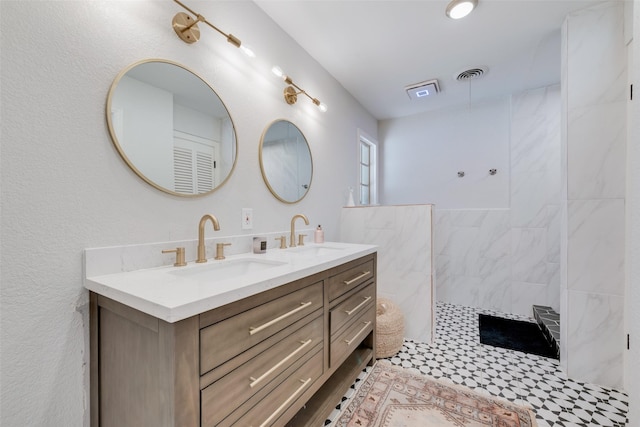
(460, 8)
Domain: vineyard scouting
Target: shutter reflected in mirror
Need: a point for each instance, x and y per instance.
(195, 163)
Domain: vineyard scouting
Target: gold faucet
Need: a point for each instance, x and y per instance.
(292, 241)
(202, 251)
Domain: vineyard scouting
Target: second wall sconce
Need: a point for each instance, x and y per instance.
(187, 29)
(292, 91)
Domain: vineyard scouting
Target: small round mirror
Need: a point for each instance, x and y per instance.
(285, 161)
(171, 128)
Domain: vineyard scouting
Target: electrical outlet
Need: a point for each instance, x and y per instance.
(247, 218)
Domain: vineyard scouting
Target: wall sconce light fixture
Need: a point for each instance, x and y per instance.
(292, 91)
(187, 29)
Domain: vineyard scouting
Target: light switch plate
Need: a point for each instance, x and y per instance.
(247, 218)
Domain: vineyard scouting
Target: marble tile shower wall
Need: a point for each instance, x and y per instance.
(594, 149)
(509, 259)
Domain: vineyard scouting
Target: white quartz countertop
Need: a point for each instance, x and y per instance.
(173, 293)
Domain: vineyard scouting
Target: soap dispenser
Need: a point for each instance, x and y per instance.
(318, 236)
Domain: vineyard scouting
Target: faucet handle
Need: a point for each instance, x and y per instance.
(283, 240)
(220, 250)
(180, 262)
(301, 239)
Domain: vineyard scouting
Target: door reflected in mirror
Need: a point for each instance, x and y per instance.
(171, 128)
(285, 161)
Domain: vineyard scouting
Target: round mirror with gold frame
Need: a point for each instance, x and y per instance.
(285, 161)
(171, 128)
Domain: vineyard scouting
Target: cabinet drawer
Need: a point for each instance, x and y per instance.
(269, 409)
(351, 278)
(348, 340)
(222, 397)
(352, 307)
(226, 339)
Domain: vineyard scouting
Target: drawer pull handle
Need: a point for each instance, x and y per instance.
(255, 381)
(364, 328)
(357, 307)
(286, 402)
(303, 305)
(355, 279)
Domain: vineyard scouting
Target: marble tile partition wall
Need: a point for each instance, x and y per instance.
(509, 259)
(405, 258)
(593, 148)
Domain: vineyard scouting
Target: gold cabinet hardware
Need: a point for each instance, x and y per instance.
(301, 239)
(364, 328)
(180, 262)
(257, 329)
(220, 250)
(305, 383)
(357, 307)
(283, 242)
(355, 279)
(255, 381)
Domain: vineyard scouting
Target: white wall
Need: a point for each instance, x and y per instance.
(421, 156)
(64, 187)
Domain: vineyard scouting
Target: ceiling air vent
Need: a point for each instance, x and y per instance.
(470, 74)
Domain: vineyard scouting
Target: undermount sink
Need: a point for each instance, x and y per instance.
(219, 270)
(314, 250)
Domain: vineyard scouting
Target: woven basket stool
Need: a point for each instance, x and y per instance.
(389, 328)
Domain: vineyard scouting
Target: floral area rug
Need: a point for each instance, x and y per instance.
(395, 397)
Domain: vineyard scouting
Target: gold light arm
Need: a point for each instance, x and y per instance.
(292, 91)
(185, 29)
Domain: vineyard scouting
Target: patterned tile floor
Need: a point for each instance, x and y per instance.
(456, 355)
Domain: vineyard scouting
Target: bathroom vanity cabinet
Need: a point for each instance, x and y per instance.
(282, 356)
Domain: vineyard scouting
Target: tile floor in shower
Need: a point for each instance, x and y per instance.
(456, 355)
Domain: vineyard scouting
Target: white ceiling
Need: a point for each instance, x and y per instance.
(375, 48)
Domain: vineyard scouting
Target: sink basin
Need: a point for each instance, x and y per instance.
(313, 251)
(218, 270)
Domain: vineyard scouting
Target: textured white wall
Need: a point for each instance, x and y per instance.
(64, 187)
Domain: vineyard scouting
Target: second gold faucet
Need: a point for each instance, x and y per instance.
(292, 240)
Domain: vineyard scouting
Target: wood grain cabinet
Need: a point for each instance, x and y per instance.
(282, 357)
